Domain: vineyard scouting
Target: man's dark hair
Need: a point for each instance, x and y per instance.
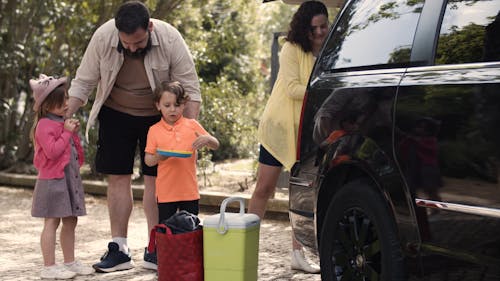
(131, 16)
(300, 26)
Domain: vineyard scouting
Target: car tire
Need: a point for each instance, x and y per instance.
(359, 240)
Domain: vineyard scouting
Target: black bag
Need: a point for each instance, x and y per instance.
(182, 221)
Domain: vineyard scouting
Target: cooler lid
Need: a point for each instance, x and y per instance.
(223, 221)
(232, 220)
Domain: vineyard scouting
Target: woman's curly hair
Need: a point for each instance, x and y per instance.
(300, 26)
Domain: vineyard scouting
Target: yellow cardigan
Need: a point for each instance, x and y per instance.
(280, 121)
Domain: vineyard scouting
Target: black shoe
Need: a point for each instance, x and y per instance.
(150, 260)
(114, 260)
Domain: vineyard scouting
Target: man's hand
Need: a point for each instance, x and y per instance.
(73, 105)
(192, 109)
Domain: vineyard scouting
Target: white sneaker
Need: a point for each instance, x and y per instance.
(299, 262)
(79, 268)
(56, 272)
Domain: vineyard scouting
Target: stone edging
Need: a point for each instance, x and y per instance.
(208, 198)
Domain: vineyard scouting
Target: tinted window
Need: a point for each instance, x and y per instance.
(470, 32)
(372, 32)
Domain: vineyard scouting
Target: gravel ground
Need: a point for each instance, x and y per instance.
(20, 256)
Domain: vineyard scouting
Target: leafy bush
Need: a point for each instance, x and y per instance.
(230, 116)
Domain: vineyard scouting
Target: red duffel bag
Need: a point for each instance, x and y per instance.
(180, 256)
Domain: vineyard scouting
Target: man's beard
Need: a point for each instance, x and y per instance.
(139, 52)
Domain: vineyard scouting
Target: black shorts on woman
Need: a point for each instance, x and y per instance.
(267, 158)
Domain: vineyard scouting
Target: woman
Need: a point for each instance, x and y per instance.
(278, 127)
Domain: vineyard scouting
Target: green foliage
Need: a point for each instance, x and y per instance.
(400, 55)
(453, 46)
(204, 163)
(230, 118)
(226, 43)
(37, 37)
(230, 42)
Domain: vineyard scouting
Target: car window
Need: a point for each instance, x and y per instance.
(470, 32)
(372, 33)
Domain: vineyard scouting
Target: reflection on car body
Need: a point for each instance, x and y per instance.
(398, 156)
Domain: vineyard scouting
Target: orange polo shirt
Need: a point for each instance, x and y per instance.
(176, 179)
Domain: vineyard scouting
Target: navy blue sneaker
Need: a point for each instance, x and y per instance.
(114, 260)
(150, 260)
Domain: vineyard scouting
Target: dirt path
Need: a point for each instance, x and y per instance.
(20, 256)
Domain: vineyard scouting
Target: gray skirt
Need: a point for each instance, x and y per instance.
(59, 198)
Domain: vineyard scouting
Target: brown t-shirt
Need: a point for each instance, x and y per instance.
(132, 93)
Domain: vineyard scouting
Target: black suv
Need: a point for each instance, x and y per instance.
(399, 143)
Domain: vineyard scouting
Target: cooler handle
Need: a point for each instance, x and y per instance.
(222, 226)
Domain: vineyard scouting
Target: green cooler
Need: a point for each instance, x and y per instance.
(231, 244)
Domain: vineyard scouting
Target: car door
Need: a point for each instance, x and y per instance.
(447, 138)
(362, 63)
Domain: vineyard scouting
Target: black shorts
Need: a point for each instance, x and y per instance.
(119, 135)
(266, 158)
(166, 210)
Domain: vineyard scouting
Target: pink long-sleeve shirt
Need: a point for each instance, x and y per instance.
(53, 148)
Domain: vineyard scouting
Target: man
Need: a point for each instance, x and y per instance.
(127, 58)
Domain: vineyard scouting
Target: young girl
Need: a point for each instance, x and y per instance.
(172, 144)
(58, 194)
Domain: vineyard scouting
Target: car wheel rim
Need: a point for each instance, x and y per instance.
(356, 252)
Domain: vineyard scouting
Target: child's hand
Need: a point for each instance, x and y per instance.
(77, 127)
(205, 140)
(161, 157)
(200, 141)
(71, 125)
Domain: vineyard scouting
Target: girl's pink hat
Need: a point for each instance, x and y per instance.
(43, 86)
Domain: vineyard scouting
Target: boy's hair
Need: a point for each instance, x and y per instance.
(174, 88)
(300, 26)
(130, 16)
